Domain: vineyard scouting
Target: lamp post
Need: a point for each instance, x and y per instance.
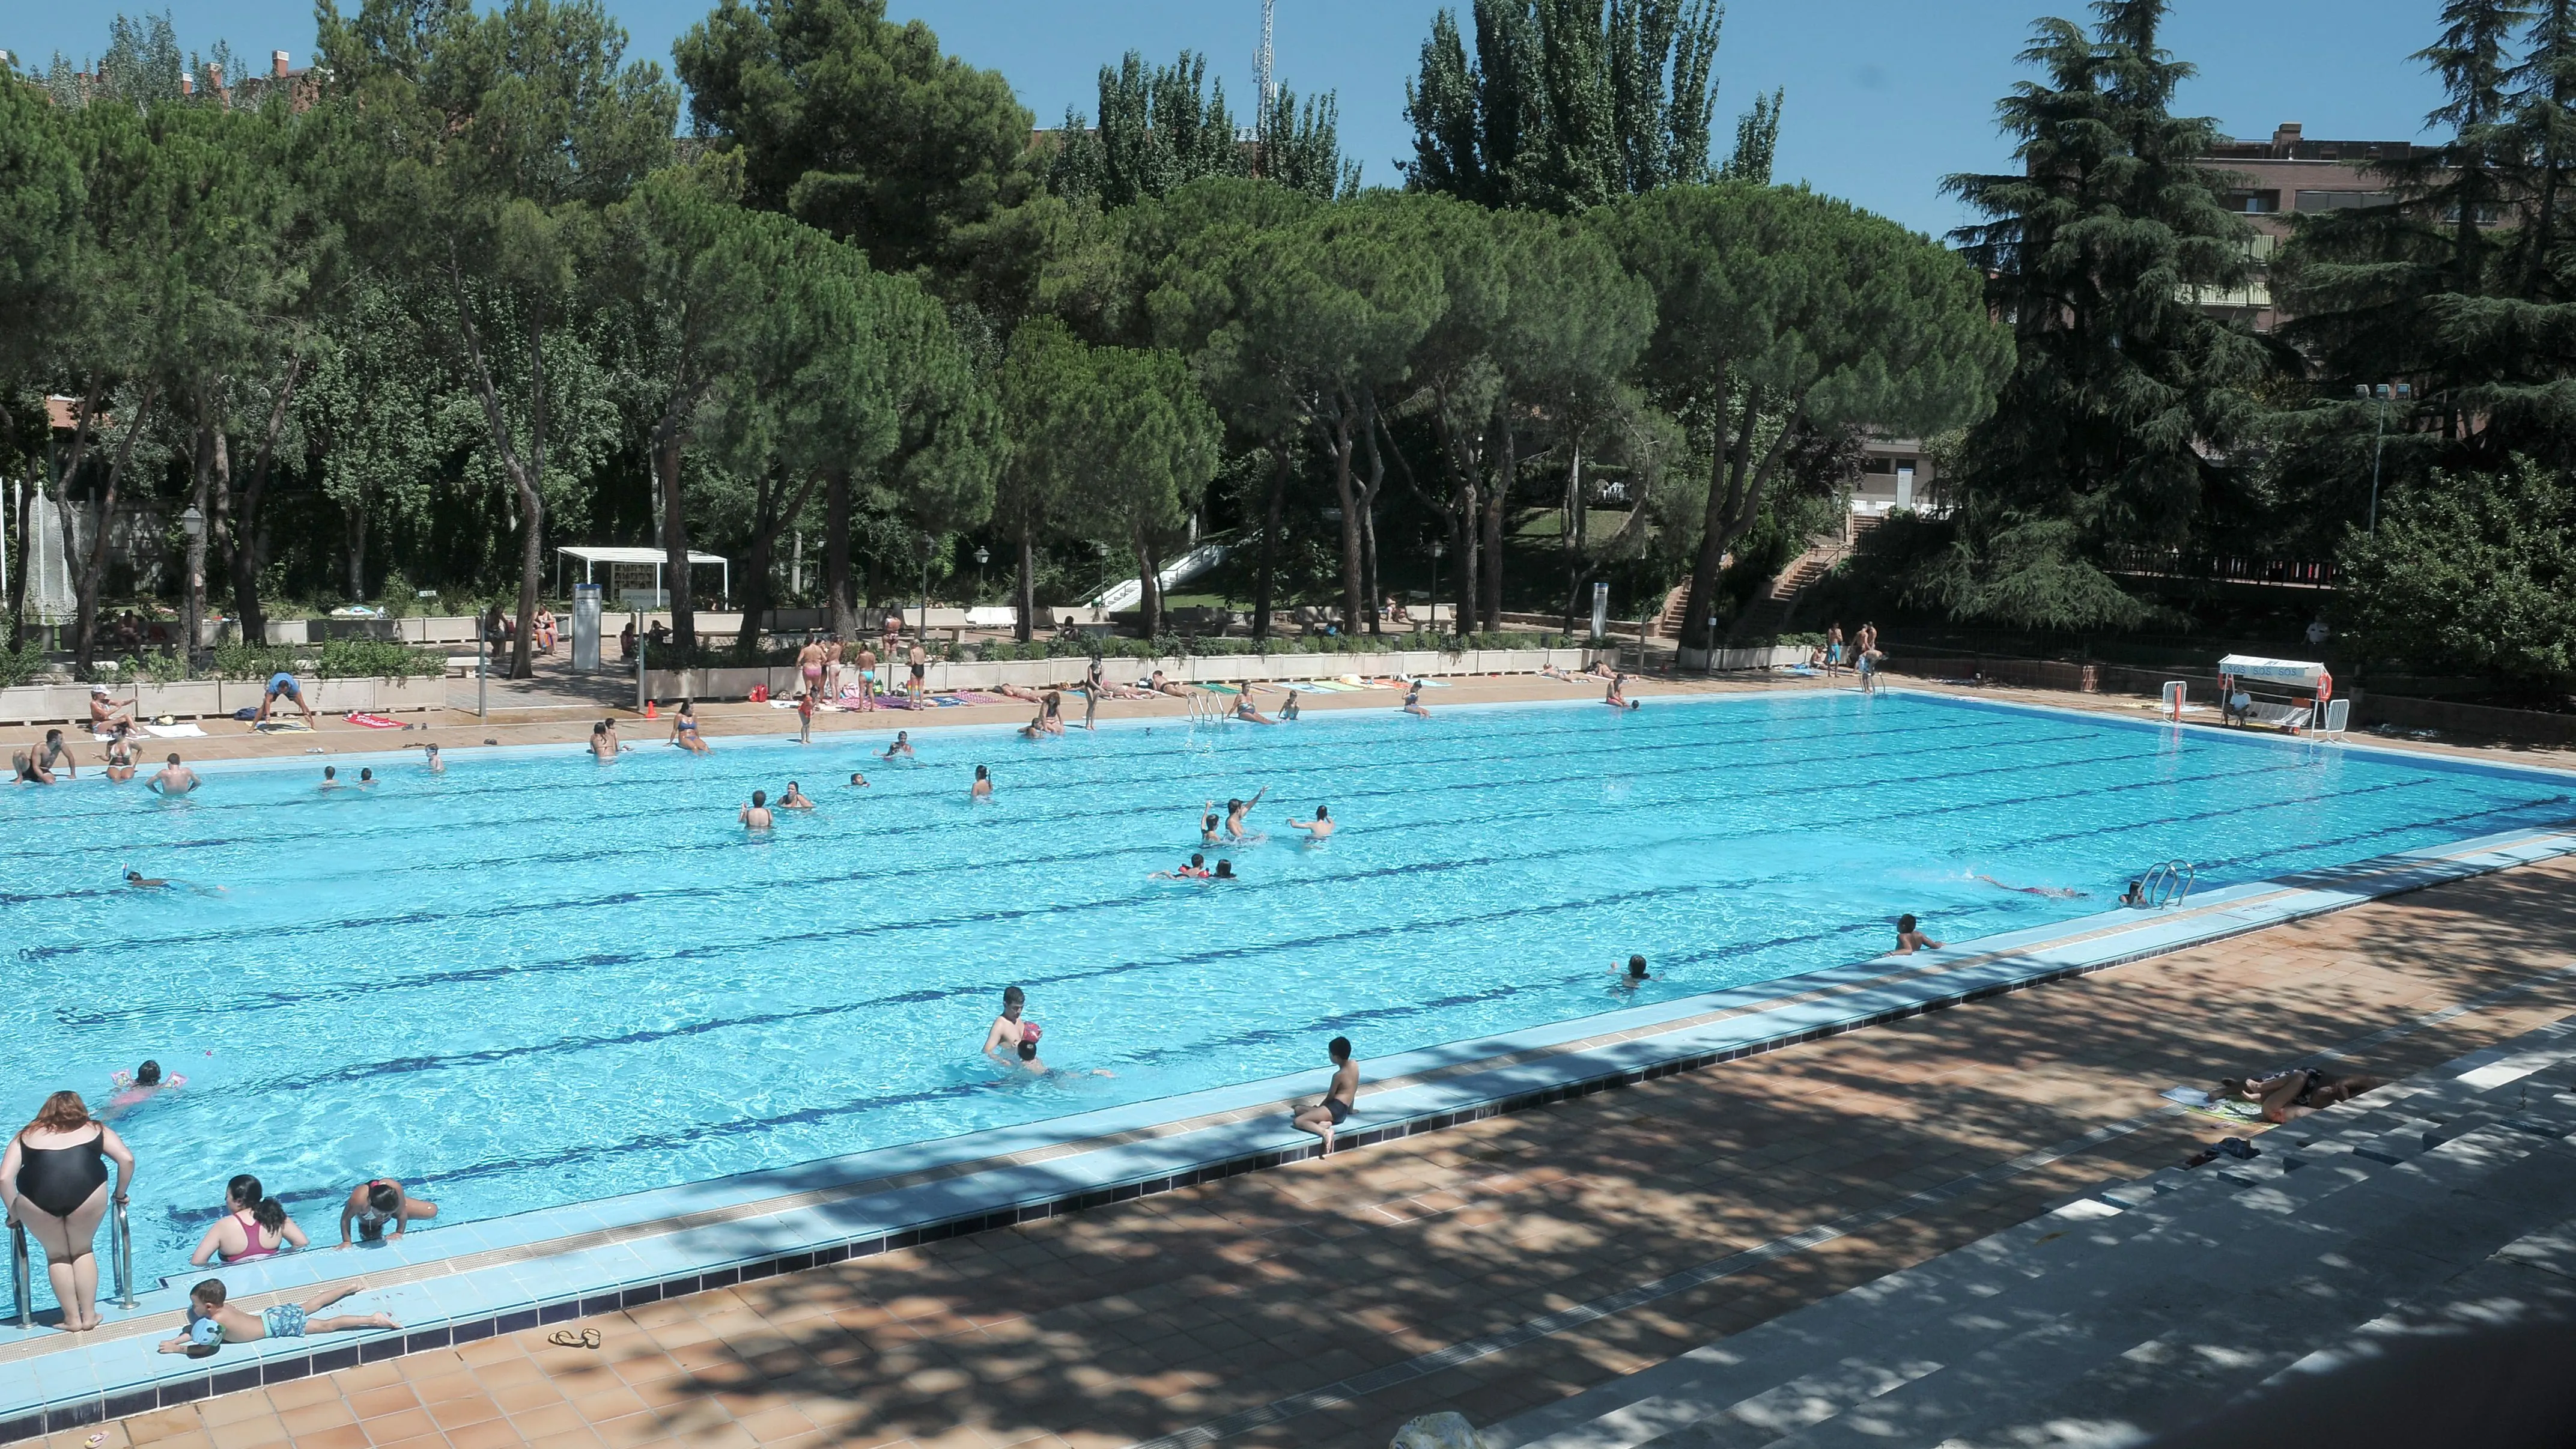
(981, 558)
(193, 523)
(1439, 546)
(927, 544)
(2379, 445)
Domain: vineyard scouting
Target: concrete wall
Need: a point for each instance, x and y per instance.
(719, 684)
(52, 704)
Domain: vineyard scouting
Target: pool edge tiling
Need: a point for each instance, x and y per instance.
(463, 1283)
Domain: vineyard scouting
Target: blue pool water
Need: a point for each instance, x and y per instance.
(536, 979)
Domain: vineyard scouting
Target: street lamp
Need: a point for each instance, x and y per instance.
(1439, 546)
(2402, 392)
(981, 558)
(193, 524)
(927, 544)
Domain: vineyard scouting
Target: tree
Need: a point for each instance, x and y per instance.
(856, 125)
(41, 211)
(1567, 105)
(2472, 571)
(2127, 403)
(1159, 130)
(1145, 446)
(1779, 310)
(499, 137)
(1039, 386)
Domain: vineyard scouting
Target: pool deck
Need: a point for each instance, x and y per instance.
(1122, 1320)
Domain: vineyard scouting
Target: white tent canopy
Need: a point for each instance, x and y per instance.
(2298, 672)
(593, 556)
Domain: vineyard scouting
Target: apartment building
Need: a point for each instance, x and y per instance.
(2272, 182)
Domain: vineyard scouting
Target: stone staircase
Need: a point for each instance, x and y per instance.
(2434, 1204)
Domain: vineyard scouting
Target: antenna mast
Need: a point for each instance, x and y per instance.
(1261, 69)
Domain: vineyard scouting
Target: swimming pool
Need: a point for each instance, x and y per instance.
(536, 979)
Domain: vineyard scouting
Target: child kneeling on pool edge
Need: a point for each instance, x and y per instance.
(211, 1325)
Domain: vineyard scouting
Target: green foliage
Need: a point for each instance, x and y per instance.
(336, 659)
(2128, 404)
(1175, 646)
(2471, 571)
(856, 124)
(1566, 105)
(1159, 130)
(22, 664)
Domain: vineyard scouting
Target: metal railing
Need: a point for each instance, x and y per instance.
(1206, 708)
(22, 1275)
(2167, 883)
(120, 1240)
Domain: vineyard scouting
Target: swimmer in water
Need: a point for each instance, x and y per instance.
(1036, 728)
(2060, 893)
(1413, 700)
(2136, 895)
(119, 753)
(902, 746)
(603, 745)
(430, 759)
(1207, 823)
(858, 781)
(330, 778)
(176, 778)
(1195, 870)
(1237, 811)
(1633, 975)
(366, 779)
(133, 1091)
(983, 789)
(1909, 939)
(1225, 871)
(1318, 829)
(794, 799)
(756, 816)
(1011, 1041)
(139, 881)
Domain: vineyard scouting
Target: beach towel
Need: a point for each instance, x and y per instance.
(950, 700)
(375, 722)
(175, 732)
(978, 696)
(283, 727)
(2224, 1109)
(896, 701)
(1221, 688)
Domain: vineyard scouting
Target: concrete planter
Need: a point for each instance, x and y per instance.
(726, 684)
(60, 704)
(1722, 660)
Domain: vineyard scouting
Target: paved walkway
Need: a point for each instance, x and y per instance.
(1157, 1316)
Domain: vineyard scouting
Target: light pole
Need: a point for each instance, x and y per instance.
(193, 523)
(2379, 445)
(981, 558)
(1439, 546)
(927, 544)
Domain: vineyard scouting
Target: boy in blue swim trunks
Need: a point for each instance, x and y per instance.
(211, 1325)
(283, 683)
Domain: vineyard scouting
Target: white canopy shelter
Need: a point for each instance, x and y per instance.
(2297, 673)
(636, 558)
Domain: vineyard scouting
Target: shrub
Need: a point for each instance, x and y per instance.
(338, 659)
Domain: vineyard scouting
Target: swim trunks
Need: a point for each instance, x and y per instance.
(286, 1320)
(1340, 1109)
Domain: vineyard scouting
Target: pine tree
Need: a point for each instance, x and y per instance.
(2126, 399)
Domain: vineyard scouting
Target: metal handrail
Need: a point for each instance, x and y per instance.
(121, 1243)
(22, 1275)
(2168, 883)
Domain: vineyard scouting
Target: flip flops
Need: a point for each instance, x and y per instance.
(574, 1338)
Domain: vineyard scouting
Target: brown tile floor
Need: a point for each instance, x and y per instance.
(1128, 1322)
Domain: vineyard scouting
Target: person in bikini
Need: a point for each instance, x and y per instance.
(211, 1324)
(794, 799)
(603, 745)
(2295, 1093)
(1335, 1106)
(254, 1226)
(1159, 685)
(1413, 700)
(902, 746)
(119, 752)
(684, 729)
(377, 1203)
(1248, 712)
(867, 677)
(809, 666)
(983, 787)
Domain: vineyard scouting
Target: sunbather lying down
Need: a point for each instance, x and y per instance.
(2297, 1092)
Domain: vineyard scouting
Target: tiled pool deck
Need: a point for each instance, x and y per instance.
(481, 1284)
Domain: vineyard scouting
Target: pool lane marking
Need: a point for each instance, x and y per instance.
(1351, 1390)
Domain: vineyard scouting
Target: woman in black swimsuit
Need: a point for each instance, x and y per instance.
(52, 1179)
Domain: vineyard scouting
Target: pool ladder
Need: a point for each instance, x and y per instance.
(1206, 708)
(2167, 883)
(22, 1270)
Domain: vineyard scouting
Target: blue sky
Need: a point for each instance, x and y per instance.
(1885, 96)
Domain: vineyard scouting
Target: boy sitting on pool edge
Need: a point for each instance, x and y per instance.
(210, 1324)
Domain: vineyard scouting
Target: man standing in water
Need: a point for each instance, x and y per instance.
(1013, 1042)
(1319, 828)
(1335, 1108)
(756, 816)
(175, 778)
